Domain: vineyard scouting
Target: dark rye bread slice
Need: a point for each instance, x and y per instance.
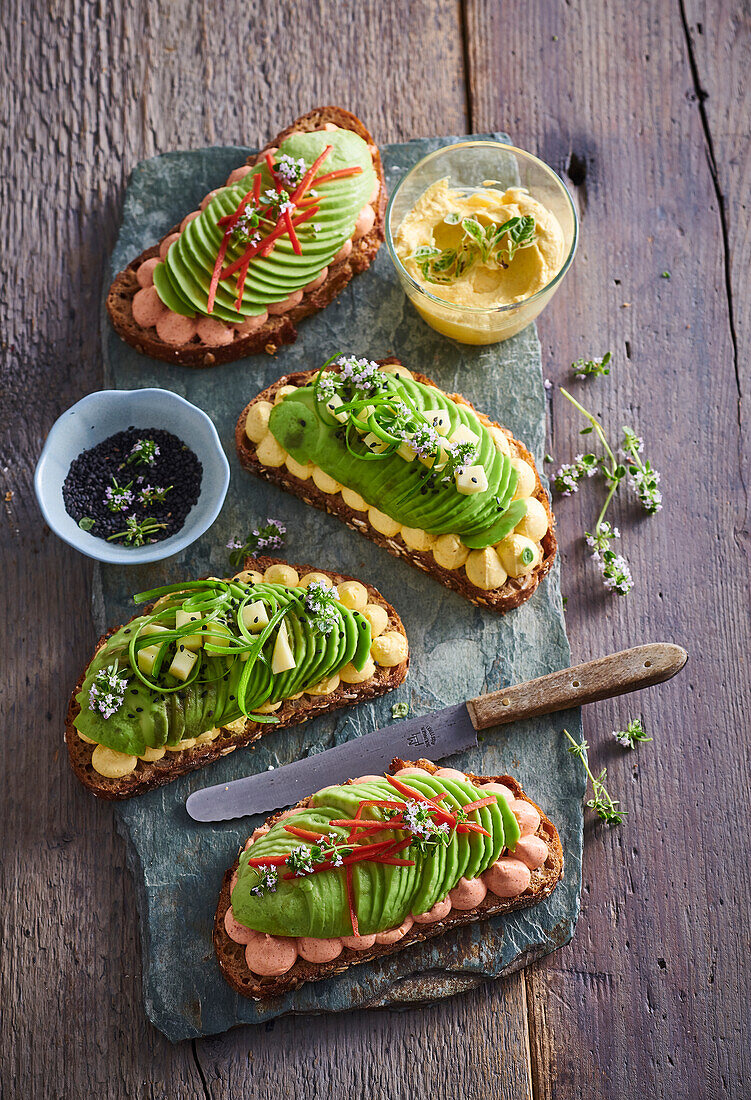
(291, 713)
(277, 330)
(514, 592)
(231, 955)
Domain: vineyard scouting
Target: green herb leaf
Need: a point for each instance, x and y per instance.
(86, 523)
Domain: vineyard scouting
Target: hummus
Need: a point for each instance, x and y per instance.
(483, 284)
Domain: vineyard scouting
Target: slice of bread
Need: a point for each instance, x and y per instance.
(277, 330)
(291, 713)
(514, 592)
(231, 955)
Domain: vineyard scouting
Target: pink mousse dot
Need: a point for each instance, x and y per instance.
(468, 893)
(145, 273)
(214, 332)
(393, 935)
(375, 193)
(343, 252)
(147, 307)
(359, 943)
(498, 788)
(292, 813)
(409, 771)
(451, 773)
(277, 308)
(365, 222)
(319, 281)
(440, 911)
(238, 174)
(175, 329)
(208, 198)
(531, 850)
(315, 950)
(366, 779)
(188, 219)
(270, 956)
(237, 932)
(508, 877)
(252, 324)
(233, 882)
(166, 244)
(526, 815)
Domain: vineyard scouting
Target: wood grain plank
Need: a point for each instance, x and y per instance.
(94, 88)
(648, 998)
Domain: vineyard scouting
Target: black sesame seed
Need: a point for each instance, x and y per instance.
(139, 710)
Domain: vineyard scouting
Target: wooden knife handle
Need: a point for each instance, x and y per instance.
(629, 670)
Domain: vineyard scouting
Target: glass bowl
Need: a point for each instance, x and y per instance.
(466, 165)
(100, 415)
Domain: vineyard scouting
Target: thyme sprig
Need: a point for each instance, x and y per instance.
(604, 805)
(268, 537)
(495, 245)
(632, 735)
(592, 368)
(642, 477)
(138, 531)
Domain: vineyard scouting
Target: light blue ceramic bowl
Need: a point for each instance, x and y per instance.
(100, 415)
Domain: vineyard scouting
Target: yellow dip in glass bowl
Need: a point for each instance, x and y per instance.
(479, 255)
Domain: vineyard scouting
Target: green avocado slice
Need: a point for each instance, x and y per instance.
(150, 718)
(383, 894)
(408, 492)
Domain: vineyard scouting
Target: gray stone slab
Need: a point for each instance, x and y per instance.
(457, 650)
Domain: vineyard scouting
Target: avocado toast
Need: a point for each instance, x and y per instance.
(320, 888)
(276, 243)
(212, 665)
(457, 496)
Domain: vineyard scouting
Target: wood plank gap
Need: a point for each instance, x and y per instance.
(701, 96)
(466, 62)
(199, 1067)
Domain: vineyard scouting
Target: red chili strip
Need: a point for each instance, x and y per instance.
(468, 827)
(256, 187)
(306, 834)
(443, 815)
(216, 273)
(272, 861)
(351, 901)
(275, 179)
(340, 173)
(395, 862)
(309, 176)
(264, 246)
(480, 802)
(296, 248)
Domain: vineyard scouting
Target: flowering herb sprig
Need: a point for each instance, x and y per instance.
(107, 693)
(632, 735)
(614, 567)
(426, 832)
(138, 531)
(118, 497)
(604, 805)
(150, 494)
(592, 368)
(320, 602)
(269, 537)
(495, 245)
(144, 452)
(267, 883)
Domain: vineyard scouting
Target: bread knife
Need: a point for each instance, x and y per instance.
(444, 733)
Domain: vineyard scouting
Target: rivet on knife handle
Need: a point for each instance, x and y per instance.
(617, 674)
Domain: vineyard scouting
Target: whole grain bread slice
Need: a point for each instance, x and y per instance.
(149, 775)
(515, 591)
(231, 955)
(277, 330)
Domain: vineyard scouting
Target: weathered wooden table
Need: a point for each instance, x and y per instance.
(643, 107)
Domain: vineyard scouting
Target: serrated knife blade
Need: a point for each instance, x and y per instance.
(441, 734)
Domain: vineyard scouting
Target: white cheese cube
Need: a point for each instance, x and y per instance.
(472, 480)
(407, 453)
(435, 462)
(282, 659)
(154, 628)
(147, 657)
(463, 434)
(374, 444)
(255, 617)
(190, 641)
(438, 419)
(334, 405)
(217, 634)
(182, 663)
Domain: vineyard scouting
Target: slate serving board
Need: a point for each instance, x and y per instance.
(457, 650)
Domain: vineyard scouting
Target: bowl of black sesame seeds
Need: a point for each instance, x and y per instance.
(131, 476)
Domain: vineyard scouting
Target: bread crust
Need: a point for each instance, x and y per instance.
(516, 590)
(277, 330)
(231, 955)
(149, 775)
